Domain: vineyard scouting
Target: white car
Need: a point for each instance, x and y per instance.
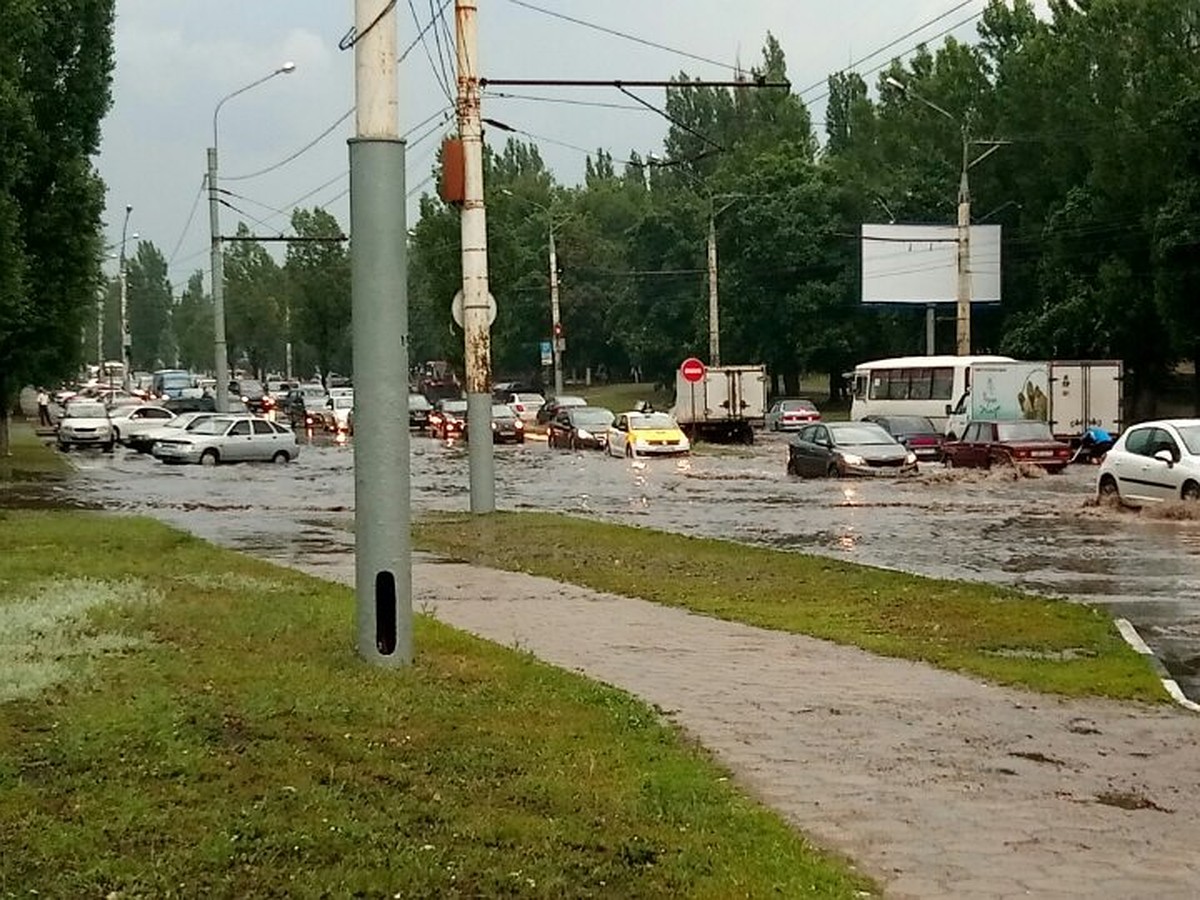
(142, 437)
(235, 438)
(1153, 462)
(336, 414)
(646, 433)
(525, 405)
(84, 423)
(125, 419)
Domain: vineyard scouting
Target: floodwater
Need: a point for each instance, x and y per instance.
(1040, 533)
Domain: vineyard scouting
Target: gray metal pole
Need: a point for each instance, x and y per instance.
(379, 298)
(930, 330)
(714, 327)
(126, 344)
(555, 317)
(476, 327)
(217, 265)
(963, 293)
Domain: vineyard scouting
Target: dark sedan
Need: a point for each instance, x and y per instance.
(841, 449)
(574, 427)
(917, 433)
(507, 427)
(1005, 442)
(419, 409)
(448, 419)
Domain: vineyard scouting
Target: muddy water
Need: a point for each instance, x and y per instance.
(1040, 533)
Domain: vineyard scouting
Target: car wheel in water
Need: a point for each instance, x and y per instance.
(1108, 488)
(107, 448)
(833, 471)
(209, 458)
(1190, 492)
(791, 467)
(281, 458)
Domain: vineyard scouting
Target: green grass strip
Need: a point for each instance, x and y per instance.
(224, 740)
(29, 458)
(1002, 635)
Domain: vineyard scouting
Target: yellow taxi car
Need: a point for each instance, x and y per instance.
(646, 434)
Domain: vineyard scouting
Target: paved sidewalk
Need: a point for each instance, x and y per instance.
(935, 784)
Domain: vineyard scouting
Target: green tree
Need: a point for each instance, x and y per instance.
(318, 277)
(192, 325)
(148, 309)
(254, 305)
(55, 65)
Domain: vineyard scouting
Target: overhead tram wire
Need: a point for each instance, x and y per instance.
(502, 95)
(287, 159)
(188, 223)
(890, 44)
(884, 65)
(625, 36)
(439, 74)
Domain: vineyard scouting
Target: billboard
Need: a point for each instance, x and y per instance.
(919, 263)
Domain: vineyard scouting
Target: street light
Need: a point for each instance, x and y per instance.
(126, 344)
(558, 343)
(714, 321)
(963, 290)
(217, 262)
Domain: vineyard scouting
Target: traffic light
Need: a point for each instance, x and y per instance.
(558, 329)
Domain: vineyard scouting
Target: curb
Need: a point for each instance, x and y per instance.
(1134, 640)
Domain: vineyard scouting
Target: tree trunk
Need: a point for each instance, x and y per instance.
(5, 413)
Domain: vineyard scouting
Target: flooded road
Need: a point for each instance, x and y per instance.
(1041, 534)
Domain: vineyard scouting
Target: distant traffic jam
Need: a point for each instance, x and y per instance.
(974, 412)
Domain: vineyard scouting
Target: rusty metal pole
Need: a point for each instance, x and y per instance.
(476, 324)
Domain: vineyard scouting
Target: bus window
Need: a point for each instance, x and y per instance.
(920, 384)
(943, 384)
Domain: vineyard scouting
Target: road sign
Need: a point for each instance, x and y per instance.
(692, 369)
(547, 354)
(456, 309)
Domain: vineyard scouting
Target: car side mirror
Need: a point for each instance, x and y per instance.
(949, 409)
(1166, 456)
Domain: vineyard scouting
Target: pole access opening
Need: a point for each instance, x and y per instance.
(385, 613)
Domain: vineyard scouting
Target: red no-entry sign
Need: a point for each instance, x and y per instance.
(692, 369)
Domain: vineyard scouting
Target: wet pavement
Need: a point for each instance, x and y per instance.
(1035, 532)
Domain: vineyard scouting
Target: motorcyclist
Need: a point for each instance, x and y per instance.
(1094, 443)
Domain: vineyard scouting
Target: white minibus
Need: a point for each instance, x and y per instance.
(913, 385)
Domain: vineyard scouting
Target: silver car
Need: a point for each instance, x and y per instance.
(236, 438)
(84, 423)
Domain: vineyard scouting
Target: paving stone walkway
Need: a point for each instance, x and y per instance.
(935, 784)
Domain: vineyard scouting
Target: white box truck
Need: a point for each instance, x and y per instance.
(727, 404)
(1070, 395)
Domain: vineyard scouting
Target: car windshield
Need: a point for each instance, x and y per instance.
(1191, 437)
(454, 406)
(592, 417)
(562, 402)
(1024, 431)
(214, 425)
(649, 421)
(176, 380)
(418, 401)
(250, 388)
(797, 404)
(911, 425)
(861, 433)
(502, 411)
(531, 399)
(86, 411)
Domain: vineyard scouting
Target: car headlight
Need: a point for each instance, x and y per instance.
(853, 459)
(518, 424)
(910, 458)
(584, 434)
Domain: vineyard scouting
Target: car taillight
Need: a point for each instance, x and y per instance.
(519, 407)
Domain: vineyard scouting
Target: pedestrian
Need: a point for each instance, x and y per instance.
(43, 401)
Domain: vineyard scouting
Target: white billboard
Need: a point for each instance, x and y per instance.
(919, 263)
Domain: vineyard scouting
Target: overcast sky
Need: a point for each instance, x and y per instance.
(175, 61)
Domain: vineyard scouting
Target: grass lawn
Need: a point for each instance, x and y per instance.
(178, 720)
(29, 459)
(622, 397)
(995, 633)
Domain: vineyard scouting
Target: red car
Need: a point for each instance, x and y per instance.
(988, 443)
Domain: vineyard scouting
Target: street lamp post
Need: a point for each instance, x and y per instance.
(962, 295)
(558, 341)
(714, 320)
(126, 345)
(221, 362)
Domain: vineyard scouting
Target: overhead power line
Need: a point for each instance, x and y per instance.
(287, 159)
(188, 223)
(625, 36)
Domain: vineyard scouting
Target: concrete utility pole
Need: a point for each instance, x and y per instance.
(216, 259)
(963, 292)
(714, 326)
(476, 327)
(126, 344)
(379, 300)
(560, 342)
